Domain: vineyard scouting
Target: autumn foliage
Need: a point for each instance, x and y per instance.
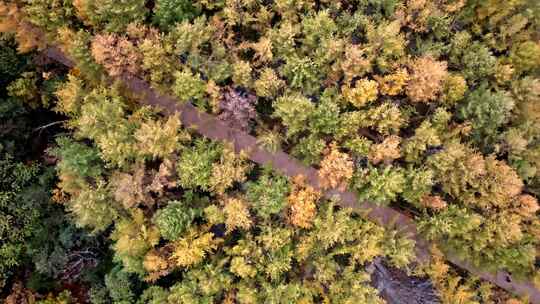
(430, 107)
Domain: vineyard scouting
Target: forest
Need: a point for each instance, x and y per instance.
(269, 151)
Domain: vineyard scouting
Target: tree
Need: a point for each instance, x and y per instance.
(301, 200)
(173, 220)
(112, 16)
(336, 169)
(268, 195)
(168, 12)
(426, 79)
(487, 110)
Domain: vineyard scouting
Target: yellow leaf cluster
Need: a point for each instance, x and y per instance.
(302, 204)
(504, 72)
(451, 287)
(240, 267)
(81, 10)
(236, 214)
(454, 89)
(231, 168)
(336, 169)
(135, 235)
(193, 248)
(502, 184)
(418, 13)
(156, 62)
(154, 262)
(393, 84)
(156, 265)
(268, 83)
(242, 73)
(263, 50)
(70, 96)
(159, 139)
(364, 92)
(487, 183)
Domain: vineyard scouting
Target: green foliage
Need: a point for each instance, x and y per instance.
(478, 62)
(309, 149)
(21, 197)
(418, 184)
(49, 14)
(11, 64)
(454, 89)
(325, 118)
(173, 220)
(111, 15)
(294, 110)
(153, 295)
(77, 158)
(160, 139)
(386, 118)
(188, 87)
(483, 240)
(98, 294)
(380, 185)
(158, 61)
(318, 28)
(79, 50)
(92, 208)
(195, 164)
(56, 242)
(190, 37)
(169, 12)
(260, 264)
(14, 125)
(424, 136)
(525, 57)
(103, 119)
(358, 146)
(444, 91)
(120, 286)
(302, 74)
(25, 88)
(457, 168)
(203, 284)
(268, 83)
(487, 111)
(268, 195)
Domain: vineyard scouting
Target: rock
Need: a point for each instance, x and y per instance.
(396, 287)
